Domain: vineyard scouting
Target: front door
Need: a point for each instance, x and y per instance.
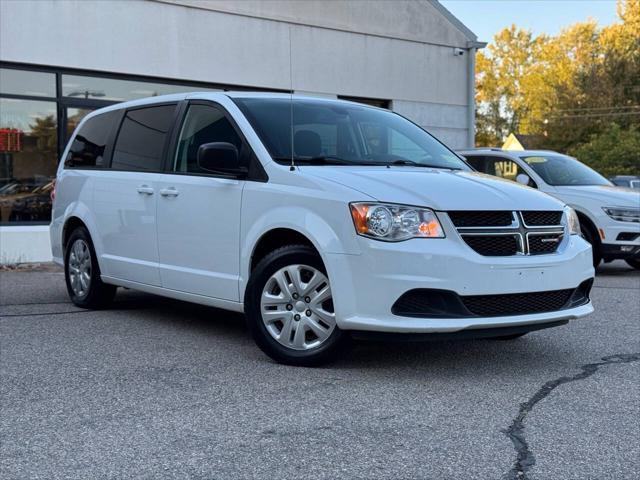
(199, 211)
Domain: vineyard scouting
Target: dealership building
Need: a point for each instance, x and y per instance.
(60, 59)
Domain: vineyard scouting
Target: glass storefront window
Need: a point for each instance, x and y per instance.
(113, 90)
(28, 159)
(26, 82)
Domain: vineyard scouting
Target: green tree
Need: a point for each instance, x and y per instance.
(565, 90)
(499, 77)
(615, 151)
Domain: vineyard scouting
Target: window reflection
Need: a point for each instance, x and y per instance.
(113, 90)
(28, 159)
(25, 82)
(74, 117)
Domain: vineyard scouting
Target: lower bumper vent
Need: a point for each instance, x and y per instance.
(431, 303)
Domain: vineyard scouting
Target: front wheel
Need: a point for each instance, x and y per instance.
(289, 308)
(634, 262)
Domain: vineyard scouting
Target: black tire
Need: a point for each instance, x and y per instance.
(592, 237)
(513, 336)
(634, 262)
(98, 294)
(329, 350)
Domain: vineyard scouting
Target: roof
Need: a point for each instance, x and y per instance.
(178, 97)
(425, 21)
(492, 150)
(472, 37)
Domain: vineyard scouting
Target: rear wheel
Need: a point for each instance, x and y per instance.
(634, 262)
(82, 273)
(289, 308)
(592, 237)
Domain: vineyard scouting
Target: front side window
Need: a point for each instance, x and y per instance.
(342, 133)
(142, 137)
(88, 146)
(560, 170)
(202, 124)
(476, 162)
(28, 159)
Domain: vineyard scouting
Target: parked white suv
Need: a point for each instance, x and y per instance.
(609, 215)
(320, 219)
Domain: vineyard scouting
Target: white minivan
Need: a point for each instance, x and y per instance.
(609, 215)
(321, 220)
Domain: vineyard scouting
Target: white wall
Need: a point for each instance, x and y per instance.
(396, 50)
(24, 244)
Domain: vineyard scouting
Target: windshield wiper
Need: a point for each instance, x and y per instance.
(405, 162)
(418, 164)
(321, 160)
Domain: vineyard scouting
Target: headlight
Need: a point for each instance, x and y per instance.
(394, 223)
(623, 214)
(572, 221)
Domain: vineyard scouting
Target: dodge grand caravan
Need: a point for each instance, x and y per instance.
(321, 220)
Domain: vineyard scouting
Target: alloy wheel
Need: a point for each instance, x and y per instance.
(80, 268)
(297, 307)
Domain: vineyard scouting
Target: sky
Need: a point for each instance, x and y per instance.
(487, 17)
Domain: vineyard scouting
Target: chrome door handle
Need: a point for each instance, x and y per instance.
(169, 192)
(145, 189)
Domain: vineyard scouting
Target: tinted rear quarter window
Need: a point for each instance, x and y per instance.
(88, 147)
(142, 137)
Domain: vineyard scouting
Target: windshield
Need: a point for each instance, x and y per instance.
(340, 133)
(562, 170)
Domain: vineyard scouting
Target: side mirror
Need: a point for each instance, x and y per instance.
(523, 179)
(220, 157)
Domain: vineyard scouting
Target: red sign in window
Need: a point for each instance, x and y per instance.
(10, 140)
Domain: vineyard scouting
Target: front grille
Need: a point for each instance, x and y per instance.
(516, 303)
(547, 243)
(434, 303)
(493, 245)
(503, 233)
(537, 219)
(481, 218)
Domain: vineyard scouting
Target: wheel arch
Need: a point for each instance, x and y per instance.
(78, 215)
(275, 229)
(70, 225)
(276, 238)
(585, 219)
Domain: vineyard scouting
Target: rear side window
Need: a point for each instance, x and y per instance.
(141, 140)
(88, 147)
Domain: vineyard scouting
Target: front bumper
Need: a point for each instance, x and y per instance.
(366, 286)
(619, 251)
(614, 237)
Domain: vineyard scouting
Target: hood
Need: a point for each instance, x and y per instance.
(608, 195)
(437, 189)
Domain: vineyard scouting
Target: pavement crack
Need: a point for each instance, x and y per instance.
(525, 459)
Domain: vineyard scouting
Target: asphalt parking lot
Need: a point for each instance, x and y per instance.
(156, 388)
